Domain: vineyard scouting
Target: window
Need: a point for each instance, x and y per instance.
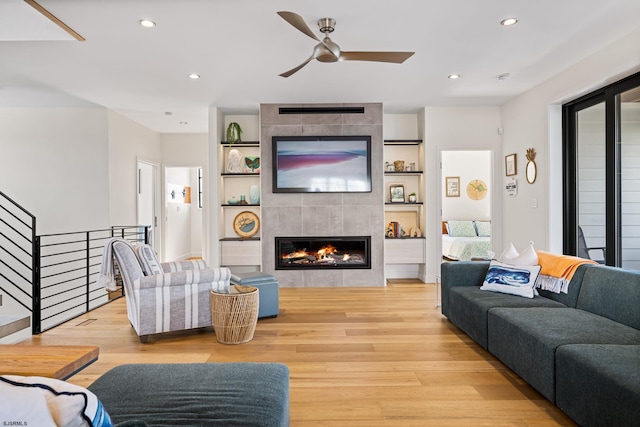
(601, 155)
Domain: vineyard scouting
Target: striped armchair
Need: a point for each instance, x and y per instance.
(174, 299)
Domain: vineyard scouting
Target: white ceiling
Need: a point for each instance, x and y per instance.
(240, 47)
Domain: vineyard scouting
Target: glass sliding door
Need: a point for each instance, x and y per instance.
(629, 111)
(591, 208)
(601, 175)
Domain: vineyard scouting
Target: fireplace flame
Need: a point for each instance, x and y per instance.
(326, 251)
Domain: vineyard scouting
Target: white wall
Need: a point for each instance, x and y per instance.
(128, 143)
(54, 162)
(467, 165)
(531, 120)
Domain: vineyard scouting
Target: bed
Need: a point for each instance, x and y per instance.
(465, 240)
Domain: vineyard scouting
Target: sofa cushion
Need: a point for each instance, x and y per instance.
(611, 292)
(461, 273)
(526, 339)
(599, 384)
(225, 394)
(148, 260)
(511, 279)
(472, 306)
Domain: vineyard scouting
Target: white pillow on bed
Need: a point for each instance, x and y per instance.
(462, 229)
(511, 279)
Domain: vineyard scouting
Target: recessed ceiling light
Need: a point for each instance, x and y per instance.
(147, 23)
(194, 76)
(454, 76)
(508, 22)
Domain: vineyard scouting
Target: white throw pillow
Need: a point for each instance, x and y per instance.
(462, 229)
(527, 256)
(511, 279)
(51, 403)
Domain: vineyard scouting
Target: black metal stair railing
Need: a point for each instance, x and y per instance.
(53, 276)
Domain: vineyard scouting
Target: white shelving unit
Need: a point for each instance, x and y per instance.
(407, 249)
(238, 253)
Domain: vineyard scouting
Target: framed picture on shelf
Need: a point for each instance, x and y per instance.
(510, 164)
(396, 192)
(452, 184)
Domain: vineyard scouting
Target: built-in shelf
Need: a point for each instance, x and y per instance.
(404, 238)
(403, 173)
(402, 204)
(226, 174)
(239, 239)
(402, 141)
(238, 205)
(241, 144)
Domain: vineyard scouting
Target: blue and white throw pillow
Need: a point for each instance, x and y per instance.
(511, 279)
(39, 401)
(461, 229)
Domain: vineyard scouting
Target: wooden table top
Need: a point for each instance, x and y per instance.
(51, 361)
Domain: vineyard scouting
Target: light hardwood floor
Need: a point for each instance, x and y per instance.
(379, 356)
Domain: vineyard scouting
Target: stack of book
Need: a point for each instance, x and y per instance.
(394, 230)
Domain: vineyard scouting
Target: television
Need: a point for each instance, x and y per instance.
(321, 164)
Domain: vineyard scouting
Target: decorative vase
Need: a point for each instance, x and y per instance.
(254, 195)
(242, 201)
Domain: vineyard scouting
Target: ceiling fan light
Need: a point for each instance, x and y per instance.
(507, 22)
(147, 23)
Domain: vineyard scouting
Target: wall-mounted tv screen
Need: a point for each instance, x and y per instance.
(321, 164)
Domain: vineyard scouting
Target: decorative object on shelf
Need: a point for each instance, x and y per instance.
(243, 200)
(399, 165)
(415, 232)
(395, 230)
(234, 161)
(476, 189)
(233, 200)
(254, 195)
(396, 192)
(411, 167)
(246, 224)
(252, 164)
(510, 165)
(531, 170)
(413, 198)
(234, 133)
(452, 184)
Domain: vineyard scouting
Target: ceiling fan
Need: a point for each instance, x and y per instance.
(328, 51)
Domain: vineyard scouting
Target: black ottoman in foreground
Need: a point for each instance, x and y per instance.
(197, 394)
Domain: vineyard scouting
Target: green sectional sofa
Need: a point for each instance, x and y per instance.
(580, 350)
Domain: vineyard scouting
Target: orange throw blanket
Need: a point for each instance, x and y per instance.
(557, 270)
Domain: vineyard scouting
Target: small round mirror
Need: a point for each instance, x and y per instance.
(531, 171)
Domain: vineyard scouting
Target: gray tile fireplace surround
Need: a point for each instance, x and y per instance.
(336, 214)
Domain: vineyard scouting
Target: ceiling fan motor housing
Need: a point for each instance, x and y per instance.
(326, 25)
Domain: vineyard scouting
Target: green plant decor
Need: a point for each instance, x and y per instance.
(234, 133)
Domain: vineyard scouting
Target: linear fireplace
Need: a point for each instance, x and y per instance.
(344, 252)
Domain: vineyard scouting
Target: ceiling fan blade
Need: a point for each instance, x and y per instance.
(294, 70)
(297, 21)
(395, 57)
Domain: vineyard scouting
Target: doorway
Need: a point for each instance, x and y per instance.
(466, 203)
(183, 213)
(148, 200)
